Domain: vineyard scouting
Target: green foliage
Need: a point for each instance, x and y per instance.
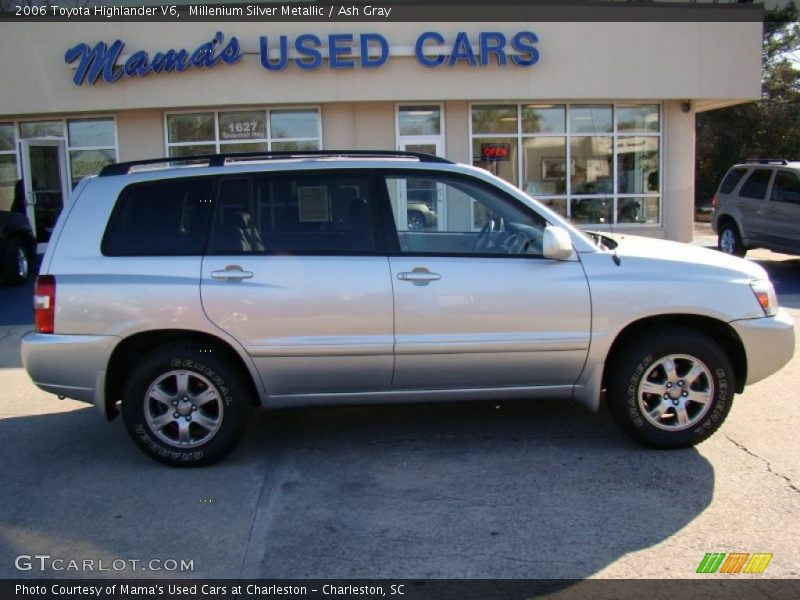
(768, 128)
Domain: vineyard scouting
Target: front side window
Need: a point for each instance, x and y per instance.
(297, 213)
(164, 218)
(475, 220)
(786, 188)
(756, 184)
(231, 131)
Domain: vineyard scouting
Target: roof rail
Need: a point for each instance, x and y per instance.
(768, 161)
(219, 160)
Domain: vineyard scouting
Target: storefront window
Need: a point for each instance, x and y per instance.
(644, 117)
(419, 120)
(545, 166)
(91, 133)
(590, 119)
(503, 164)
(492, 119)
(294, 124)
(243, 131)
(90, 143)
(543, 118)
(593, 163)
(40, 129)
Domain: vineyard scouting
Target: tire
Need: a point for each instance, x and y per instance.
(16, 262)
(212, 412)
(729, 240)
(638, 381)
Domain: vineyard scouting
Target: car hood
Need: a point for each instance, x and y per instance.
(689, 257)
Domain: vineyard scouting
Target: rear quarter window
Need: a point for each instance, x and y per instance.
(164, 218)
(731, 180)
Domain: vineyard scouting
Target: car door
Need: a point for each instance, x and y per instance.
(296, 273)
(750, 202)
(782, 214)
(476, 305)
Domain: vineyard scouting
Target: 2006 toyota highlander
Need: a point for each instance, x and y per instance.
(184, 293)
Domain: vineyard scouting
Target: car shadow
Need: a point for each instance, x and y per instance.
(478, 490)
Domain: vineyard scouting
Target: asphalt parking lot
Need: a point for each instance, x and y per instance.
(539, 490)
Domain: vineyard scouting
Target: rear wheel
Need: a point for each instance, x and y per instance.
(185, 408)
(16, 262)
(730, 242)
(670, 389)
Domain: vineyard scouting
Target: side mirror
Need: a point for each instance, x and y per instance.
(556, 243)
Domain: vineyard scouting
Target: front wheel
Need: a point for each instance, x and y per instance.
(16, 262)
(185, 408)
(670, 389)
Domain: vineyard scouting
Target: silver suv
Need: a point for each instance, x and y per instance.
(758, 206)
(183, 295)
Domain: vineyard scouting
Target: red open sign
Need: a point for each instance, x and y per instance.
(495, 151)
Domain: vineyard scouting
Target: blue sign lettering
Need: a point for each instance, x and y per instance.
(371, 49)
(101, 61)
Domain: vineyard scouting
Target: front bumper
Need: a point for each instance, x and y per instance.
(768, 343)
(73, 366)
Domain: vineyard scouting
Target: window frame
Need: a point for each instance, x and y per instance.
(377, 213)
(217, 142)
(519, 137)
(390, 226)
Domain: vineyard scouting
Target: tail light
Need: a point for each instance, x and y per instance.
(44, 303)
(714, 202)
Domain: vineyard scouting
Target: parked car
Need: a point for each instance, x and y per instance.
(183, 297)
(17, 247)
(703, 212)
(757, 205)
(420, 216)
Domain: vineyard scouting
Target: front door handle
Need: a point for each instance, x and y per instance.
(232, 273)
(419, 276)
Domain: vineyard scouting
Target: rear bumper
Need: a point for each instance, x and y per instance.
(69, 365)
(768, 343)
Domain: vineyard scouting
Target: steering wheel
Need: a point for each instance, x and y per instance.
(485, 235)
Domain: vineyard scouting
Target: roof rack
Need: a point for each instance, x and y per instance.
(768, 161)
(219, 160)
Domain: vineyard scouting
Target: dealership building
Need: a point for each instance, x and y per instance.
(595, 119)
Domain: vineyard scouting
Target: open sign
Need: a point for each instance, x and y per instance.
(494, 152)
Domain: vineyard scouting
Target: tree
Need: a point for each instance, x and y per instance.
(767, 128)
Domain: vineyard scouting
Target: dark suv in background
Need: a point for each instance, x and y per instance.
(17, 247)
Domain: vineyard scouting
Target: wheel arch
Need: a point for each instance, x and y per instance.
(131, 349)
(718, 330)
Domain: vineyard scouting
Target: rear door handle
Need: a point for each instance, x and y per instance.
(232, 273)
(419, 276)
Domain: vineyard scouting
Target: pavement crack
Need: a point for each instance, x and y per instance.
(745, 449)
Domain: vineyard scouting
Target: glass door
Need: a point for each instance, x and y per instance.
(44, 173)
(426, 209)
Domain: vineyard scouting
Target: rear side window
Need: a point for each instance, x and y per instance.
(297, 213)
(731, 180)
(165, 218)
(756, 185)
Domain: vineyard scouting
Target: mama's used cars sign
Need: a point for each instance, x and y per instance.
(306, 51)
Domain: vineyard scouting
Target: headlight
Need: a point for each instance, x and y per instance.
(765, 294)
